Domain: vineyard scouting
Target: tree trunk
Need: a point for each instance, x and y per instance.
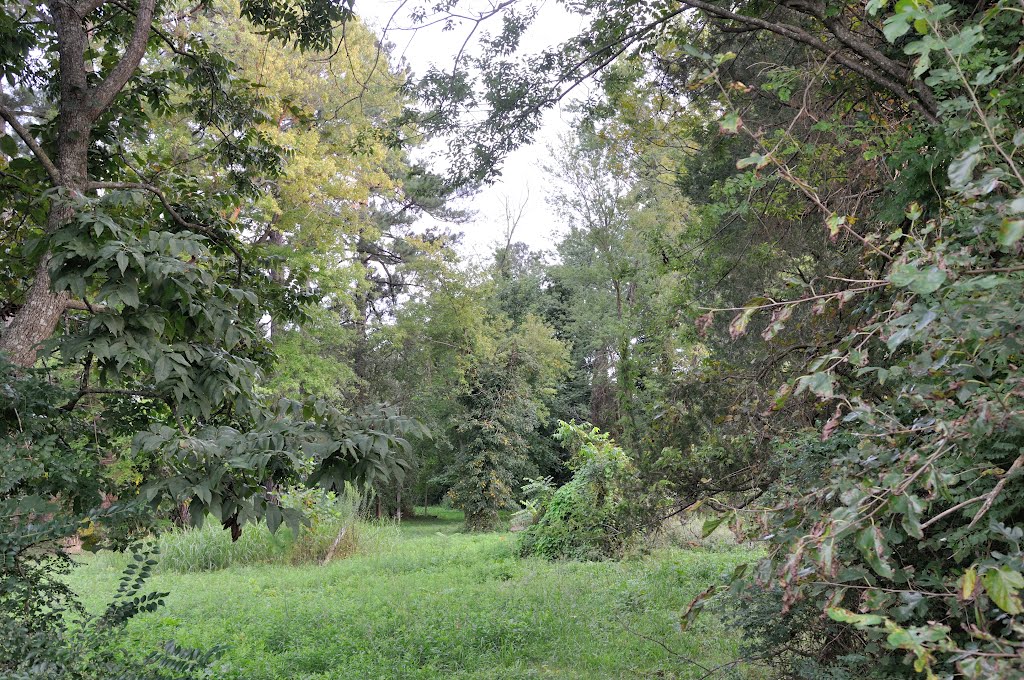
(79, 106)
(35, 321)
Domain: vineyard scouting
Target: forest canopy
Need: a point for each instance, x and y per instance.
(782, 299)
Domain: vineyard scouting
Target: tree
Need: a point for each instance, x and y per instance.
(876, 145)
(501, 404)
(159, 299)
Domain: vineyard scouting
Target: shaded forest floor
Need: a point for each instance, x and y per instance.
(425, 601)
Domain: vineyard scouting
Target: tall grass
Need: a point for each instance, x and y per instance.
(335, 531)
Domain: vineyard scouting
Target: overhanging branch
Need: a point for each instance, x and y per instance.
(800, 35)
(174, 214)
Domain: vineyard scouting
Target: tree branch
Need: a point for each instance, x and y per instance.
(85, 306)
(124, 392)
(800, 35)
(175, 216)
(103, 94)
(86, 8)
(32, 144)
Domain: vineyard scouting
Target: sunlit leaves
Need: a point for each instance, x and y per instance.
(1010, 232)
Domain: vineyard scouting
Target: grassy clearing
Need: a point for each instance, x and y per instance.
(424, 601)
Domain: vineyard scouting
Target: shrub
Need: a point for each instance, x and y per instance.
(589, 517)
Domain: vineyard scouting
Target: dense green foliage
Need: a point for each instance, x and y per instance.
(788, 288)
(589, 516)
(850, 395)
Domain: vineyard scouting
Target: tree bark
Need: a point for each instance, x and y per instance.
(35, 321)
(78, 108)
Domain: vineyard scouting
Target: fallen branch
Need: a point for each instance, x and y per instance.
(334, 546)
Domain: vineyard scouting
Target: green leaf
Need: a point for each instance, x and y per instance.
(274, 517)
(874, 5)
(820, 383)
(961, 169)
(835, 223)
(895, 27)
(967, 584)
(711, 524)
(755, 159)
(1002, 585)
(859, 620)
(1011, 232)
(875, 551)
(730, 124)
(921, 281)
(8, 145)
(909, 506)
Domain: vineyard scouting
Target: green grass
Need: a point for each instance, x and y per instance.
(427, 601)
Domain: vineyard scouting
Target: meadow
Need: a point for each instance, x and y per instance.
(424, 600)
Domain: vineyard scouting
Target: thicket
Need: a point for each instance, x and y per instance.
(591, 516)
(795, 236)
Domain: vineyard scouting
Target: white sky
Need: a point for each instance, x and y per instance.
(522, 182)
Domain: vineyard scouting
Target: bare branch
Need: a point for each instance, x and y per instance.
(990, 498)
(32, 144)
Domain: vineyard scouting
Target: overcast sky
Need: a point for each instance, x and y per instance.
(522, 182)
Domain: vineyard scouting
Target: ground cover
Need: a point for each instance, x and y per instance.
(425, 601)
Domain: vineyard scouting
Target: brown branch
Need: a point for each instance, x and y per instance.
(86, 8)
(950, 511)
(800, 35)
(995, 270)
(85, 306)
(123, 392)
(990, 498)
(809, 298)
(103, 94)
(32, 144)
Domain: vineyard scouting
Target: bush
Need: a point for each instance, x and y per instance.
(589, 517)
